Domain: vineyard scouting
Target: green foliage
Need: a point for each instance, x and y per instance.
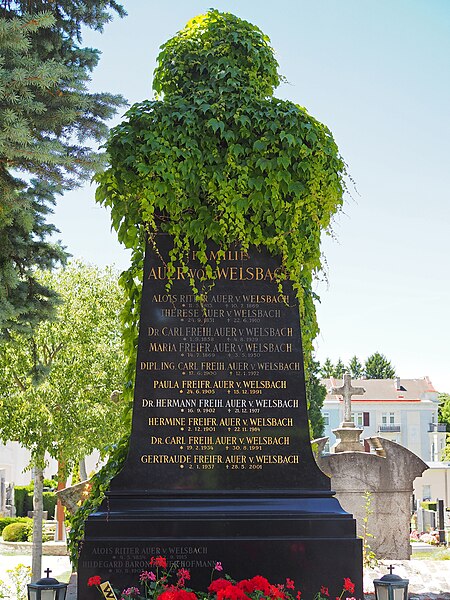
(16, 585)
(60, 379)
(444, 417)
(315, 396)
(444, 409)
(339, 369)
(49, 484)
(24, 78)
(100, 484)
(16, 532)
(218, 158)
(217, 54)
(355, 368)
(50, 500)
(369, 557)
(377, 366)
(23, 499)
(48, 121)
(327, 369)
(4, 521)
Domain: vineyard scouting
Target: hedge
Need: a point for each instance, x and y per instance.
(23, 500)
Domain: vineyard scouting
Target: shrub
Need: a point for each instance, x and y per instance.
(16, 532)
(4, 521)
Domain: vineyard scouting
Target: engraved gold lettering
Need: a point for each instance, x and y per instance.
(166, 459)
(167, 421)
(271, 422)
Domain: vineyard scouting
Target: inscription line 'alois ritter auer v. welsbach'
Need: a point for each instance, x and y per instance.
(219, 400)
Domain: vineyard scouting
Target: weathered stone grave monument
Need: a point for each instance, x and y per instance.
(379, 483)
(220, 466)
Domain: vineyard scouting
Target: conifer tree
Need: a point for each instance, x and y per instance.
(339, 369)
(355, 368)
(327, 369)
(377, 366)
(47, 121)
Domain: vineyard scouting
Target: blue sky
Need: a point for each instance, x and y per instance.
(377, 73)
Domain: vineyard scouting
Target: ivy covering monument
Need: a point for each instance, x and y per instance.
(216, 157)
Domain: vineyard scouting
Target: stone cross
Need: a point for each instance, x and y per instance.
(347, 391)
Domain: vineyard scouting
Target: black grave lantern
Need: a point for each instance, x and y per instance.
(47, 588)
(391, 587)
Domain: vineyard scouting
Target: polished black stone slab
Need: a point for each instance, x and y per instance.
(220, 466)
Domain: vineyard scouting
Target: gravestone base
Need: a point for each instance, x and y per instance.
(308, 539)
(348, 439)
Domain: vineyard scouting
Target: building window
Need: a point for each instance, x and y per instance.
(361, 419)
(357, 419)
(426, 492)
(326, 419)
(388, 418)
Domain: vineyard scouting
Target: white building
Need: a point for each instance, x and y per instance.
(402, 410)
(14, 462)
(434, 483)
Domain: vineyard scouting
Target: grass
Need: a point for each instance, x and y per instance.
(435, 553)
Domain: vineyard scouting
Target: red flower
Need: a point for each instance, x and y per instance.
(232, 592)
(184, 574)
(276, 592)
(255, 583)
(349, 586)
(167, 595)
(184, 595)
(96, 580)
(218, 584)
(159, 561)
(324, 591)
(172, 593)
(299, 595)
(290, 584)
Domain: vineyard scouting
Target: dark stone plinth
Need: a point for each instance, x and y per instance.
(311, 540)
(220, 466)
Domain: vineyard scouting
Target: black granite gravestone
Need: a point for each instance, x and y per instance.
(220, 466)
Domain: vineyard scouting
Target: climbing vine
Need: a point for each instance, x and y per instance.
(215, 157)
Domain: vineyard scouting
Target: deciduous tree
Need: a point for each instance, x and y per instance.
(56, 383)
(444, 409)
